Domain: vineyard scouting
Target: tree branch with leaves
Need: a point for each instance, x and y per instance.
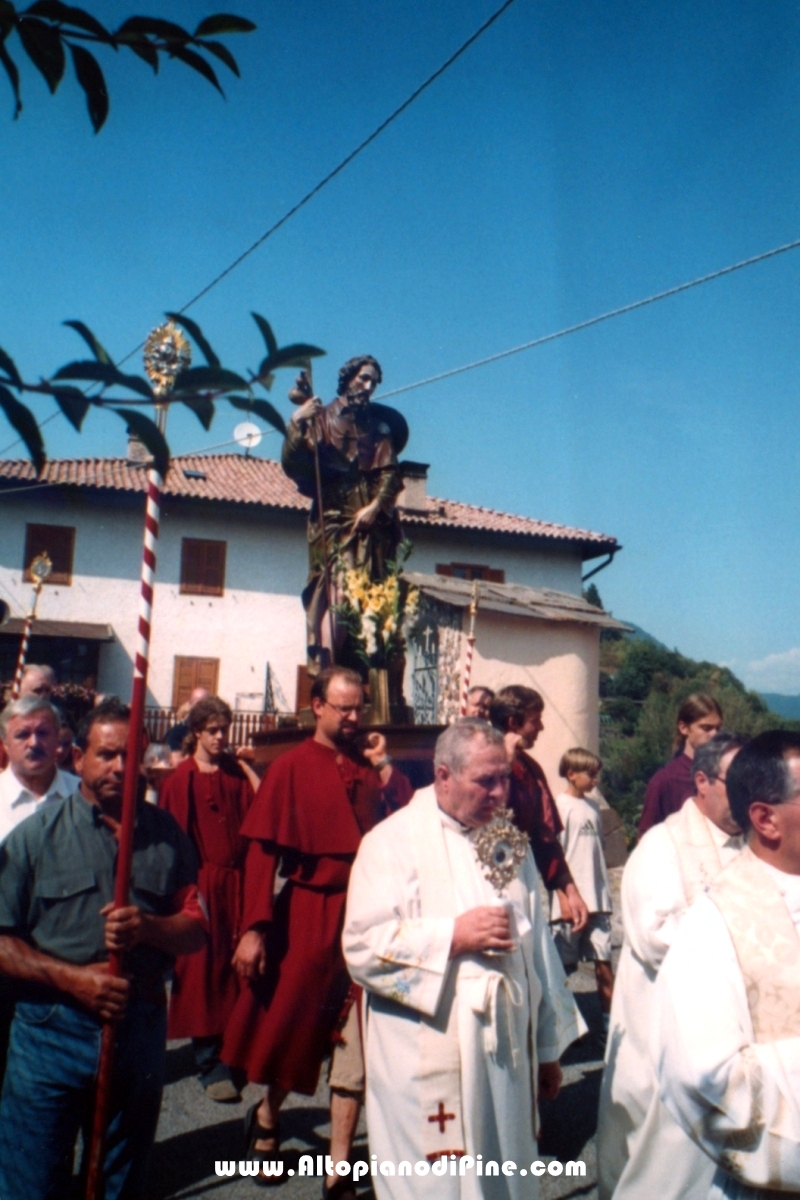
(49, 30)
(198, 388)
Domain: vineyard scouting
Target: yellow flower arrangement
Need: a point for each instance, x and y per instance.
(377, 612)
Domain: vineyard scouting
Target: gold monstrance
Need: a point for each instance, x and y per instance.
(501, 847)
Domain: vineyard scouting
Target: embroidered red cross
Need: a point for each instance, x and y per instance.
(441, 1116)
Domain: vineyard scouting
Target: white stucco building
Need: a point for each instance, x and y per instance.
(232, 561)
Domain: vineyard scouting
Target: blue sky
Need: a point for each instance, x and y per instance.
(579, 156)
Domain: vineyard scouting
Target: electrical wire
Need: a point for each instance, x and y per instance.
(606, 316)
(344, 163)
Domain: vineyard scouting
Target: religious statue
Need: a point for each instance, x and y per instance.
(343, 456)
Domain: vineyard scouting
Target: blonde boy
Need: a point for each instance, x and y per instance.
(582, 840)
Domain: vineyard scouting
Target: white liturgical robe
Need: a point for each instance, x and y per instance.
(506, 1012)
(736, 1094)
(641, 1150)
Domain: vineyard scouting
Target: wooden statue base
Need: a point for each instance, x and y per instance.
(411, 747)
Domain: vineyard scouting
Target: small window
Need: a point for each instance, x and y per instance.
(58, 541)
(470, 571)
(191, 673)
(202, 567)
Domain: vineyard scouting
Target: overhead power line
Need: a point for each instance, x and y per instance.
(606, 316)
(344, 163)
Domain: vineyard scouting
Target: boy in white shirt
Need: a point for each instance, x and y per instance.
(582, 839)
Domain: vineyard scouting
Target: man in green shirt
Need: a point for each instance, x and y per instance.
(57, 927)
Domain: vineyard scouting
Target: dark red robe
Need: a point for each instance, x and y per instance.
(309, 815)
(210, 808)
(667, 791)
(535, 812)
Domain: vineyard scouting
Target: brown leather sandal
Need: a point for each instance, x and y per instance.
(254, 1132)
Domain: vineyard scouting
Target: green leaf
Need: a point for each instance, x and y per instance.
(223, 23)
(73, 404)
(197, 64)
(43, 46)
(10, 367)
(65, 14)
(261, 408)
(289, 356)
(106, 374)
(90, 77)
(25, 424)
(212, 379)
(223, 53)
(13, 75)
(148, 433)
(266, 332)
(99, 351)
(139, 44)
(156, 27)
(196, 334)
(202, 407)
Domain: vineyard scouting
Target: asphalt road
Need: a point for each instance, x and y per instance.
(194, 1132)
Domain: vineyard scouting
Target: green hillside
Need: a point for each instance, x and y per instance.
(642, 685)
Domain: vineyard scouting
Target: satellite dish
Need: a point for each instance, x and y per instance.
(247, 435)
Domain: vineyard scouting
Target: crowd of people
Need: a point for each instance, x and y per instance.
(330, 913)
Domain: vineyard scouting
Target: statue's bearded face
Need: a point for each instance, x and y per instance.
(362, 385)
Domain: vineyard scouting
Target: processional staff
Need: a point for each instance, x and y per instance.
(473, 612)
(41, 568)
(166, 354)
(301, 392)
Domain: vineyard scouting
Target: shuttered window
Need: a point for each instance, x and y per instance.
(58, 541)
(470, 571)
(202, 567)
(191, 673)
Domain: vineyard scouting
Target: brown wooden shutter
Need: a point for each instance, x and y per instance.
(190, 673)
(202, 567)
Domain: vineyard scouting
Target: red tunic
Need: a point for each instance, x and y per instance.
(210, 807)
(534, 809)
(309, 815)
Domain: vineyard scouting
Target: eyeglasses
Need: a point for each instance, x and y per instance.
(344, 710)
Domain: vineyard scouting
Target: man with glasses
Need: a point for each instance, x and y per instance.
(314, 805)
(642, 1151)
(726, 1029)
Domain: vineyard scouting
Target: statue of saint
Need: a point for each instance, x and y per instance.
(344, 455)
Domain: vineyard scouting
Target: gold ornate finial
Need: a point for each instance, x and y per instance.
(41, 568)
(166, 354)
(501, 847)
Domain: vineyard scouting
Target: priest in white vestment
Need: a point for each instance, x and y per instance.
(726, 1029)
(468, 1009)
(641, 1150)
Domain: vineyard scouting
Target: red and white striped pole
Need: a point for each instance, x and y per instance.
(473, 612)
(40, 568)
(128, 819)
(166, 353)
(23, 654)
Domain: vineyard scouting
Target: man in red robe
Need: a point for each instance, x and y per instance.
(517, 712)
(313, 806)
(209, 797)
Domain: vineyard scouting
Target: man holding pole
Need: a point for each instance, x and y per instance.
(343, 456)
(58, 926)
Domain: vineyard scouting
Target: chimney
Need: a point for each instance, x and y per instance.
(137, 451)
(414, 496)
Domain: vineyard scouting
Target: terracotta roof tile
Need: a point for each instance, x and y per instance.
(239, 479)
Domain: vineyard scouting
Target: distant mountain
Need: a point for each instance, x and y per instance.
(784, 706)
